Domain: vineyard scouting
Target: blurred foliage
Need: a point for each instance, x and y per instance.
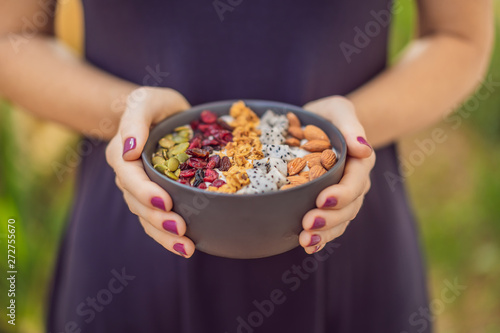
(455, 192)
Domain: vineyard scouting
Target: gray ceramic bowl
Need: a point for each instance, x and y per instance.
(244, 226)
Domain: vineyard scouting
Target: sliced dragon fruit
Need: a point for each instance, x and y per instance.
(279, 151)
(278, 164)
(267, 163)
(277, 177)
(271, 136)
(273, 120)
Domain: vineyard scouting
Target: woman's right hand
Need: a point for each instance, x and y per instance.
(145, 107)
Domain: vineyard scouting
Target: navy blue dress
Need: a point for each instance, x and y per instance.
(111, 277)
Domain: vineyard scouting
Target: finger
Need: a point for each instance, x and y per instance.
(310, 240)
(354, 183)
(134, 125)
(314, 249)
(163, 221)
(341, 112)
(134, 180)
(323, 219)
(130, 176)
(182, 246)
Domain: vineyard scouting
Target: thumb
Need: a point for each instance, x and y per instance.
(134, 125)
(341, 112)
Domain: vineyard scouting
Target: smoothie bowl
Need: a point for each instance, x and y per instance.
(242, 174)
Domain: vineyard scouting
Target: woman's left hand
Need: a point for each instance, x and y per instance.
(339, 204)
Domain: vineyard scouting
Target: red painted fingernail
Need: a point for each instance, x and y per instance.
(315, 239)
(158, 203)
(319, 222)
(129, 144)
(170, 226)
(179, 247)
(364, 142)
(330, 202)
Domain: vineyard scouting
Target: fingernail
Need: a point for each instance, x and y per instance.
(179, 247)
(364, 142)
(315, 239)
(170, 226)
(316, 249)
(128, 145)
(319, 222)
(330, 202)
(158, 203)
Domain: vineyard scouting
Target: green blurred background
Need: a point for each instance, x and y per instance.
(455, 191)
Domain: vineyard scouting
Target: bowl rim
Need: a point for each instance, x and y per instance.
(273, 104)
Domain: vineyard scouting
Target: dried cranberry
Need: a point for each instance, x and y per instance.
(187, 173)
(197, 152)
(184, 181)
(202, 186)
(213, 162)
(184, 166)
(209, 142)
(210, 175)
(225, 164)
(210, 149)
(196, 163)
(226, 137)
(194, 124)
(195, 143)
(218, 183)
(207, 128)
(208, 117)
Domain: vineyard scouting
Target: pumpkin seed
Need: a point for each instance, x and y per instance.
(173, 164)
(158, 160)
(171, 175)
(180, 139)
(161, 167)
(166, 143)
(182, 157)
(185, 134)
(165, 154)
(180, 148)
(177, 172)
(182, 128)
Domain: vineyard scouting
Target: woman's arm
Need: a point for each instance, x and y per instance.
(436, 72)
(40, 74)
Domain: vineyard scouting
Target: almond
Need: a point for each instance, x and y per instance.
(293, 120)
(296, 132)
(304, 174)
(316, 171)
(287, 186)
(292, 142)
(328, 159)
(297, 180)
(313, 159)
(316, 145)
(312, 132)
(296, 165)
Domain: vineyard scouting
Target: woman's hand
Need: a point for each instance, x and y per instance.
(146, 107)
(339, 204)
